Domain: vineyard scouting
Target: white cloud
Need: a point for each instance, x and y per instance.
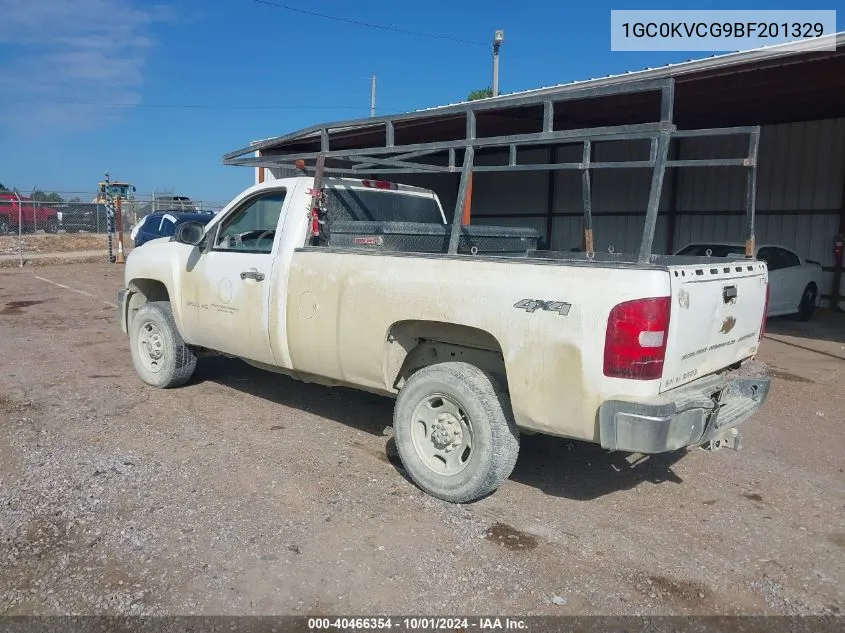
(69, 55)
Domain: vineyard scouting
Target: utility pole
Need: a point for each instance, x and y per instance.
(498, 38)
(373, 97)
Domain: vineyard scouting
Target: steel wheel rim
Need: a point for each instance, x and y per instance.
(441, 432)
(151, 347)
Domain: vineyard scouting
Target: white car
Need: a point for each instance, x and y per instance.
(793, 281)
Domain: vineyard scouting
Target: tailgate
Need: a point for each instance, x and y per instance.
(717, 313)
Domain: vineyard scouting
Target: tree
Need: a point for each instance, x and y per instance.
(75, 199)
(3, 187)
(40, 196)
(484, 93)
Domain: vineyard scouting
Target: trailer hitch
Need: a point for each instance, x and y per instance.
(731, 438)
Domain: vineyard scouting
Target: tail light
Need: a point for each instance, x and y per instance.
(380, 184)
(635, 345)
(765, 315)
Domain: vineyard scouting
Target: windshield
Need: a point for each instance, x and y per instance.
(716, 250)
(381, 206)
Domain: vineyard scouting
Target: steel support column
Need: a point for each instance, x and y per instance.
(550, 198)
(660, 152)
(835, 294)
(469, 155)
(751, 191)
(587, 197)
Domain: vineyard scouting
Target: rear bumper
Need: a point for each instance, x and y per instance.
(694, 414)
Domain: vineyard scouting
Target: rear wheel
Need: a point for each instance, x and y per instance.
(455, 432)
(808, 303)
(159, 353)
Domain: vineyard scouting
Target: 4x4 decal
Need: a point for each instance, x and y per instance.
(532, 305)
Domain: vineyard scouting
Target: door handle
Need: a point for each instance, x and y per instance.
(252, 274)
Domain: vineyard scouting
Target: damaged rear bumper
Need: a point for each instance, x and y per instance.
(706, 410)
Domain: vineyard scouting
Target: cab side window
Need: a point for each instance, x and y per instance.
(252, 227)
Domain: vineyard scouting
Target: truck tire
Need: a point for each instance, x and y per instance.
(159, 353)
(4, 226)
(52, 225)
(455, 432)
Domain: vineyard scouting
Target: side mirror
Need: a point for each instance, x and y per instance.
(190, 233)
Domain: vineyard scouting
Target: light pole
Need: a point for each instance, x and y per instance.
(498, 38)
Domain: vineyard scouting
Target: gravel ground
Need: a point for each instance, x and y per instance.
(249, 493)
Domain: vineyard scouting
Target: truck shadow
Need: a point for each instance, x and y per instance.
(581, 471)
(364, 411)
(558, 467)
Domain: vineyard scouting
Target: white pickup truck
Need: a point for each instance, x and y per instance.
(477, 347)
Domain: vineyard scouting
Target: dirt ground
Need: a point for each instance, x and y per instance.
(246, 492)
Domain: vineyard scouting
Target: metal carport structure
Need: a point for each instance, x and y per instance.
(770, 86)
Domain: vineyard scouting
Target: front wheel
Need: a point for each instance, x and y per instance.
(455, 432)
(159, 353)
(4, 226)
(808, 303)
(52, 226)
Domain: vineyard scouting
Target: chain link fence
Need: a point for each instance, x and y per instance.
(77, 229)
(25, 216)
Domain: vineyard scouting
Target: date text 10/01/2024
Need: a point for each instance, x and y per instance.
(416, 624)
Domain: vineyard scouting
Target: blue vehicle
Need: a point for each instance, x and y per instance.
(164, 223)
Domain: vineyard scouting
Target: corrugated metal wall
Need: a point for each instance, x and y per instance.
(799, 193)
(799, 190)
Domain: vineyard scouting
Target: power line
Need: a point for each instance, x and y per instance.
(371, 25)
(196, 106)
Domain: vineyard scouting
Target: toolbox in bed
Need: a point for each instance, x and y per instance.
(415, 237)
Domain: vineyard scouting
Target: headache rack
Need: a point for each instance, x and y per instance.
(384, 156)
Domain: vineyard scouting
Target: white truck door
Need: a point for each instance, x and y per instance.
(228, 289)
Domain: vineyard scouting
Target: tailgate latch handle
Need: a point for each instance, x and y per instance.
(729, 293)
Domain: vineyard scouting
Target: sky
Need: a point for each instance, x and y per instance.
(156, 92)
